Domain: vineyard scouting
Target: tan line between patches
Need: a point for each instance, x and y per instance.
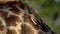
(35, 31)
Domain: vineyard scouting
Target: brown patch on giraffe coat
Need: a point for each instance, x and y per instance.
(14, 3)
(26, 30)
(3, 14)
(1, 4)
(11, 32)
(11, 20)
(1, 27)
(16, 11)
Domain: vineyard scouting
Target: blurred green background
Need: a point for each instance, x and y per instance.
(49, 11)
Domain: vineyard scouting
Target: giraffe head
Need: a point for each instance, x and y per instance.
(17, 17)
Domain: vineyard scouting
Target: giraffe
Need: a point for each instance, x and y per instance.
(17, 17)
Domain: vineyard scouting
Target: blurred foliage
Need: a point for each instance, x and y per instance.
(47, 9)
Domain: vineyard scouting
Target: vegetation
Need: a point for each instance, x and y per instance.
(47, 10)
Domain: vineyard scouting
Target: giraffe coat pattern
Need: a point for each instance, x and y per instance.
(17, 17)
